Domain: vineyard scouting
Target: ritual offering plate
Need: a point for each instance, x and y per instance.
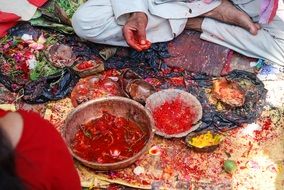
(135, 87)
(228, 101)
(205, 141)
(93, 87)
(228, 92)
(126, 77)
(139, 90)
(60, 55)
(108, 133)
(176, 112)
(90, 67)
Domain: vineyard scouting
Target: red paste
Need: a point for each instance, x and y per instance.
(173, 117)
(109, 139)
(84, 65)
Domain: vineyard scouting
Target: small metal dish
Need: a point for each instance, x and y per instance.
(211, 148)
(159, 98)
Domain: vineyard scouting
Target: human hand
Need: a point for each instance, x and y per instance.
(134, 31)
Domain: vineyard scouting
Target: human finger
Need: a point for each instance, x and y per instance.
(145, 44)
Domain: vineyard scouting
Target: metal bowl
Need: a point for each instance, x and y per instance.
(159, 98)
(209, 148)
(117, 106)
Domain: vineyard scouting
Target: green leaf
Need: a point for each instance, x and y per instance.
(48, 24)
(37, 14)
(70, 6)
(43, 68)
(34, 75)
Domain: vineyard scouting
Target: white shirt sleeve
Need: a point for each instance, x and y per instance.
(123, 8)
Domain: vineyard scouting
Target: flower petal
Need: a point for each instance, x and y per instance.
(41, 39)
(27, 38)
(36, 46)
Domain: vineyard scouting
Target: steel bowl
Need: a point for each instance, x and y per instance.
(159, 98)
(117, 106)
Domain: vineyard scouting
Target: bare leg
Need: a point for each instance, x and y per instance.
(194, 24)
(227, 13)
(240, 40)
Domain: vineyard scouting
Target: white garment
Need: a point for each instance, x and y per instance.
(101, 21)
(268, 44)
(22, 8)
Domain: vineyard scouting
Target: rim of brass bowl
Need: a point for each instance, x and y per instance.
(74, 114)
(203, 149)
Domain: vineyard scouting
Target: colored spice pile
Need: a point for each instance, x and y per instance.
(108, 139)
(204, 140)
(173, 117)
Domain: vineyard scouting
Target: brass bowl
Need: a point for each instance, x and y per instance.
(117, 106)
(210, 148)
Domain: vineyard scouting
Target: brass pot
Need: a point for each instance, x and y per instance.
(117, 106)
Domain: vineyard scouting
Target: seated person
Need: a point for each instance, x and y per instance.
(33, 155)
(134, 23)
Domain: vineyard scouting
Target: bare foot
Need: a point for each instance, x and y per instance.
(228, 13)
(194, 24)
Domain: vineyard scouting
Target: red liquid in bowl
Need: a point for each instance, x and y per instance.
(109, 139)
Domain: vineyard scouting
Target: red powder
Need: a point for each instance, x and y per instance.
(177, 81)
(108, 139)
(173, 117)
(154, 151)
(265, 133)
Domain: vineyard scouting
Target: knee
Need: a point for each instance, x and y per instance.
(78, 24)
(90, 21)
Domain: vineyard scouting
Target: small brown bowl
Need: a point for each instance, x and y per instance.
(97, 67)
(202, 149)
(139, 90)
(60, 55)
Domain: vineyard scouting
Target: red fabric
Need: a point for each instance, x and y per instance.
(8, 17)
(3, 113)
(8, 20)
(274, 11)
(37, 3)
(42, 159)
